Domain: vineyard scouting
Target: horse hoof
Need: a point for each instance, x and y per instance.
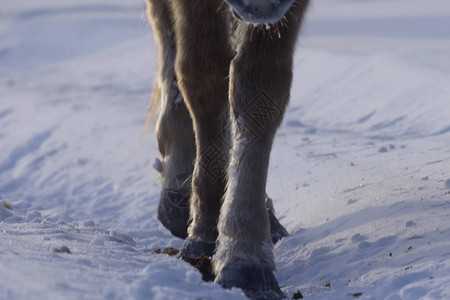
(193, 248)
(257, 282)
(277, 231)
(173, 211)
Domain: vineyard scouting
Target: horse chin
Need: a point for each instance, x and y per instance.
(260, 14)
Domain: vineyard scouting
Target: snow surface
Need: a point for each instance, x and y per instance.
(359, 173)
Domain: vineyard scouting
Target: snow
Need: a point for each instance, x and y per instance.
(359, 173)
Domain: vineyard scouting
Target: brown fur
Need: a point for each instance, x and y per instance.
(235, 81)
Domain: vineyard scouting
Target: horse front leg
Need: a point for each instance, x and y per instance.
(202, 66)
(174, 129)
(260, 80)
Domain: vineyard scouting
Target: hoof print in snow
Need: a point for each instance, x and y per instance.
(383, 150)
(6, 205)
(410, 223)
(351, 201)
(297, 295)
(62, 249)
(447, 184)
(358, 238)
(121, 238)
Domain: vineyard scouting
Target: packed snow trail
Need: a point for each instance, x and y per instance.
(359, 171)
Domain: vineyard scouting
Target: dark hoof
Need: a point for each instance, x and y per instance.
(256, 282)
(194, 248)
(277, 231)
(173, 211)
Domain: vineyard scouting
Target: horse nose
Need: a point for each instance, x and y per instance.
(284, 5)
(260, 11)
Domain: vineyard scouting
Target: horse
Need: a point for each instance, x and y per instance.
(222, 86)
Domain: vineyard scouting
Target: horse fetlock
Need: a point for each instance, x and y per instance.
(204, 209)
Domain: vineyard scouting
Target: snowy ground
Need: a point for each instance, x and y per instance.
(359, 173)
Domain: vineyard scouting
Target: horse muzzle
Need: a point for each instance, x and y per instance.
(260, 11)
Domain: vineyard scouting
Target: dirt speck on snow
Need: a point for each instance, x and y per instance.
(169, 251)
(356, 295)
(6, 205)
(203, 264)
(297, 295)
(62, 249)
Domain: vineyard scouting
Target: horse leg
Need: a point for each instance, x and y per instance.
(174, 130)
(202, 67)
(260, 80)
